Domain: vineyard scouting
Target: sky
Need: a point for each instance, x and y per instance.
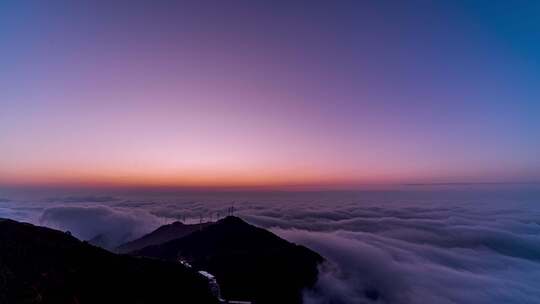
(269, 93)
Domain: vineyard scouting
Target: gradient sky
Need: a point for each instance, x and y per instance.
(269, 93)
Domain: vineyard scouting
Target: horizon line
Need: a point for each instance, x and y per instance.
(278, 188)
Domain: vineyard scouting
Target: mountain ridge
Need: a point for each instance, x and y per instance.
(250, 263)
(160, 235)
(43, 265)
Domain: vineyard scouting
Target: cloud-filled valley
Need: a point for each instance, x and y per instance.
(113, 225)
(381, 247)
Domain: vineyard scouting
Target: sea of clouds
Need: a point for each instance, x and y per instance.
(381, 246)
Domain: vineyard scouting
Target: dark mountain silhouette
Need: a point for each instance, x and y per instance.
(42, 265)
(161, 235)
(249, 263)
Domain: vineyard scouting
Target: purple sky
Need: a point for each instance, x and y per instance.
(260, 93)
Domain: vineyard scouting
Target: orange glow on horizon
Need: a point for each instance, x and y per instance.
(201, 179)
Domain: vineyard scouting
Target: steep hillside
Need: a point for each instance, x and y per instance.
(41, 265)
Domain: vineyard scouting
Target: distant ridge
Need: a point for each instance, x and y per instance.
(161, 235)
(472, 183)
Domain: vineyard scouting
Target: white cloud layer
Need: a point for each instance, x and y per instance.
(384, 247)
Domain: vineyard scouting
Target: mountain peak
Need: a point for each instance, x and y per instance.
(232, 220)
(247, 261)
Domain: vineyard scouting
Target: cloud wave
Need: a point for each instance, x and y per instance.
(382, 247)
(112, 225)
